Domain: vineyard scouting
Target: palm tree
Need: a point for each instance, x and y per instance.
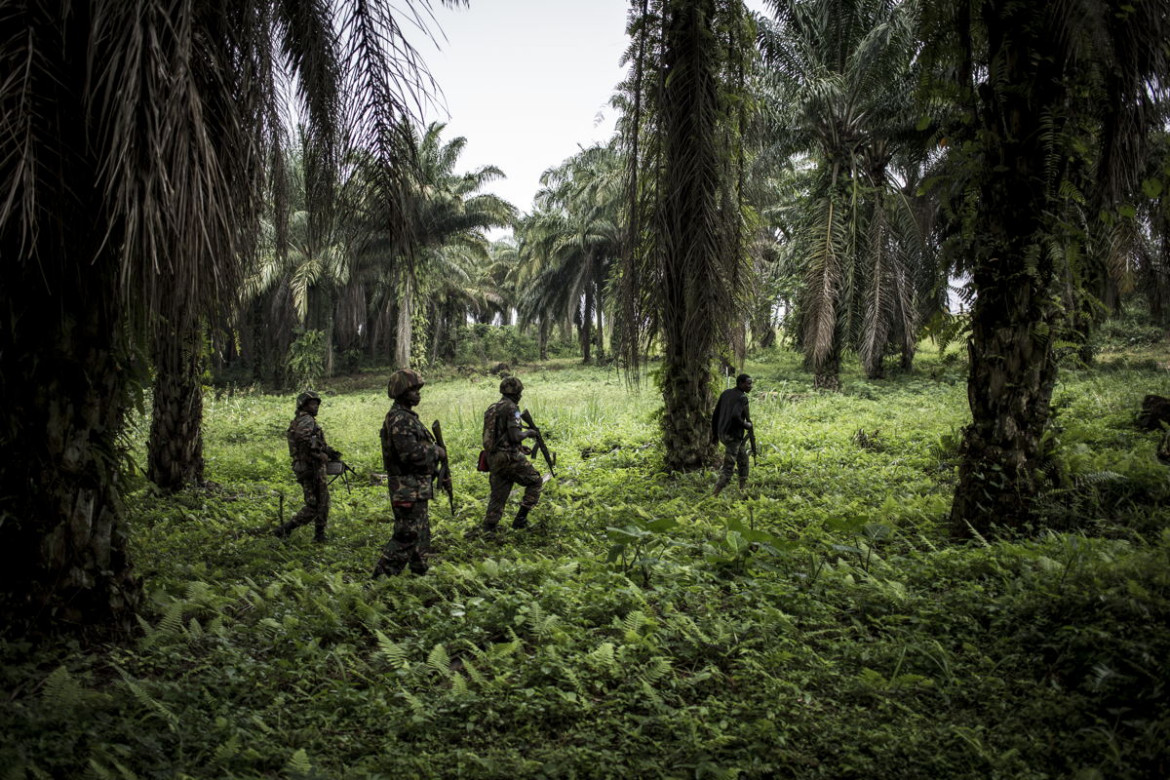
(842, 80)
(684, 275)
(136, 142)
(444, 217)
(572, 242)
(1045, 87)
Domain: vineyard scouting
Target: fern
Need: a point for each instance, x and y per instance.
(196, 590)
(660, 666)
(474, 673)
(61, 693)
(417, 707)
(299, 763)
(228, 750)
(653, 695)
(394, 654)
(172, 621)
(602, 658)
(150, 703)
(439, 661)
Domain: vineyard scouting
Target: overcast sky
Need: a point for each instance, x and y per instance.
(527, 82)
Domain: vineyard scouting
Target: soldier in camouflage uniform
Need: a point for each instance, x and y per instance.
(729, 423)
(503, 434)
(410, 456)
(310, 453)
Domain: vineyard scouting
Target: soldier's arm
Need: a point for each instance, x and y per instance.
(413, 449)
(309, 443)
(516, 431)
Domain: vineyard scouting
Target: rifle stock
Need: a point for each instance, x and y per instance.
(549, 457)
(443, 475)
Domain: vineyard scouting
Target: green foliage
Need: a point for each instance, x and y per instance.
(306, 359)
(820, 624)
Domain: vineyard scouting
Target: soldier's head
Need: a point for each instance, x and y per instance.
(308, 401)
(512, 387)
(404, 386)
(744, 382)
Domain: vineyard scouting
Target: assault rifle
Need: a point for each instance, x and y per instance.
(443, 475)
(549, 457)
(751, 434)
(339, 468)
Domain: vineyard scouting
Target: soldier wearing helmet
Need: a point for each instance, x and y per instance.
(503, 436)
(309, 453)
(410, 456)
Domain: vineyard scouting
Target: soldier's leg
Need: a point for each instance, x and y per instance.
(308, 512)
(322, 516)
(399, 551)
(501, 487)
(524, 473)
(420, 519)
(742, 463)
(728, 467)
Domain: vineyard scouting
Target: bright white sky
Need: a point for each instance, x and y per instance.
(527, 82)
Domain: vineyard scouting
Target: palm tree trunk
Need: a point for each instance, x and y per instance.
(64, 562)
(600, 329)
(175, 449)
(1012, 370)
(404, 334)
(542, 339)
(587, 325)
(827, 373)
(689, 226)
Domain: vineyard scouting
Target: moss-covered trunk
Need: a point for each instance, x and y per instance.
(175, 451)
(1013, 321)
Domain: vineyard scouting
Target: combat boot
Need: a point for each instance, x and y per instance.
(282, 531)
(521, 521)
(319, 536)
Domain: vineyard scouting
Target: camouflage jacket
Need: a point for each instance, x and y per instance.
(502, 427)
(409, 454)
(306, 444)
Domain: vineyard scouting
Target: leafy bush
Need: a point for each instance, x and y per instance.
(306, 359)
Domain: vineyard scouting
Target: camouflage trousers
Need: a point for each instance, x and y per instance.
(316, 508)
(508, 469)
(735, 456)
(411, 543)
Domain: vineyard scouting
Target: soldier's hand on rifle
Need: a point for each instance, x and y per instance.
(747, 425)
(334, 454)
(446, 483)
(525, 449)
(440, 453)
(528, 433)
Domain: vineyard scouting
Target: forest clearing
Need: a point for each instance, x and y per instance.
(822, 624)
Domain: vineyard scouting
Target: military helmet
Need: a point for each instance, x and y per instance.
(305, 397)
(511, 385)
(402, 380)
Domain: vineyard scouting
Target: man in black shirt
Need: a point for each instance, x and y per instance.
(729, 423)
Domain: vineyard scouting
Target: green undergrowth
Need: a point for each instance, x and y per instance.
(820, 624)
